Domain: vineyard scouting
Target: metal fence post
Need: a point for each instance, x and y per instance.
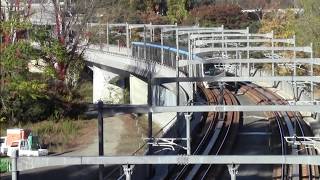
(14, 165)
(100, 134)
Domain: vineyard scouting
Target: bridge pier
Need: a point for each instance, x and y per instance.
(104, 87)
(318, 117)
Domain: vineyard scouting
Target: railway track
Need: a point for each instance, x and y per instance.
(218, 138)
(219, 127)
(302, 129)
(284, 124)
(278, 128)
(224, 144)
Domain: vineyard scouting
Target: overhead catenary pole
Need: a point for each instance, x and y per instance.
(108, 37)
(235, 69)
(127, 169)
(100, 36)
(224, 44)
(272, 57)
(294, 56)
(144, 42)
(233, 170)
(188, 134)
(14, 165)
(177, 68)
(127, 39)
(296, 93)
(100, 135)
(189, 55)
(161, 39)
(193, 66)
(151, 33)
(150, 103)
(248, 53)
(311, 72)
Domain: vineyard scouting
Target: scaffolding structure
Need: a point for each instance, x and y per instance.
(219, 46)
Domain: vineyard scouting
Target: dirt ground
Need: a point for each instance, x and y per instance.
(123, 135)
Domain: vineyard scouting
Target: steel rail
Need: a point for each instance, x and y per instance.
(235, 116)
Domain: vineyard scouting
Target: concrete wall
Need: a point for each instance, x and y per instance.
(139, 93)
(284, 89)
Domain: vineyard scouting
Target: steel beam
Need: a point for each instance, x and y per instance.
(208, 41)
(210, 31)
(260, 48)
(198, 36)
(118, 109)
(315, 61)
(25, 163)
(238, 108)
(306, 79)
(150, 26)
(133, 26)
(195, 29)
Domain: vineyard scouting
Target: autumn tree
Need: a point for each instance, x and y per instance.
(177, 10)
(228, 15)
(18, 90)
(62, 47)
(280, 22)
(56, 51)
(307, 25)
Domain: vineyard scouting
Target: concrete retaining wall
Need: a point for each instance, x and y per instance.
(284, 89)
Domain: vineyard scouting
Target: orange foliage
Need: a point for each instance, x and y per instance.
(228, 15)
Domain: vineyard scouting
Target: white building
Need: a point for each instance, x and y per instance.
(41, 11)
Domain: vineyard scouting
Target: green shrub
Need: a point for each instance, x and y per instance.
(4, 165)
